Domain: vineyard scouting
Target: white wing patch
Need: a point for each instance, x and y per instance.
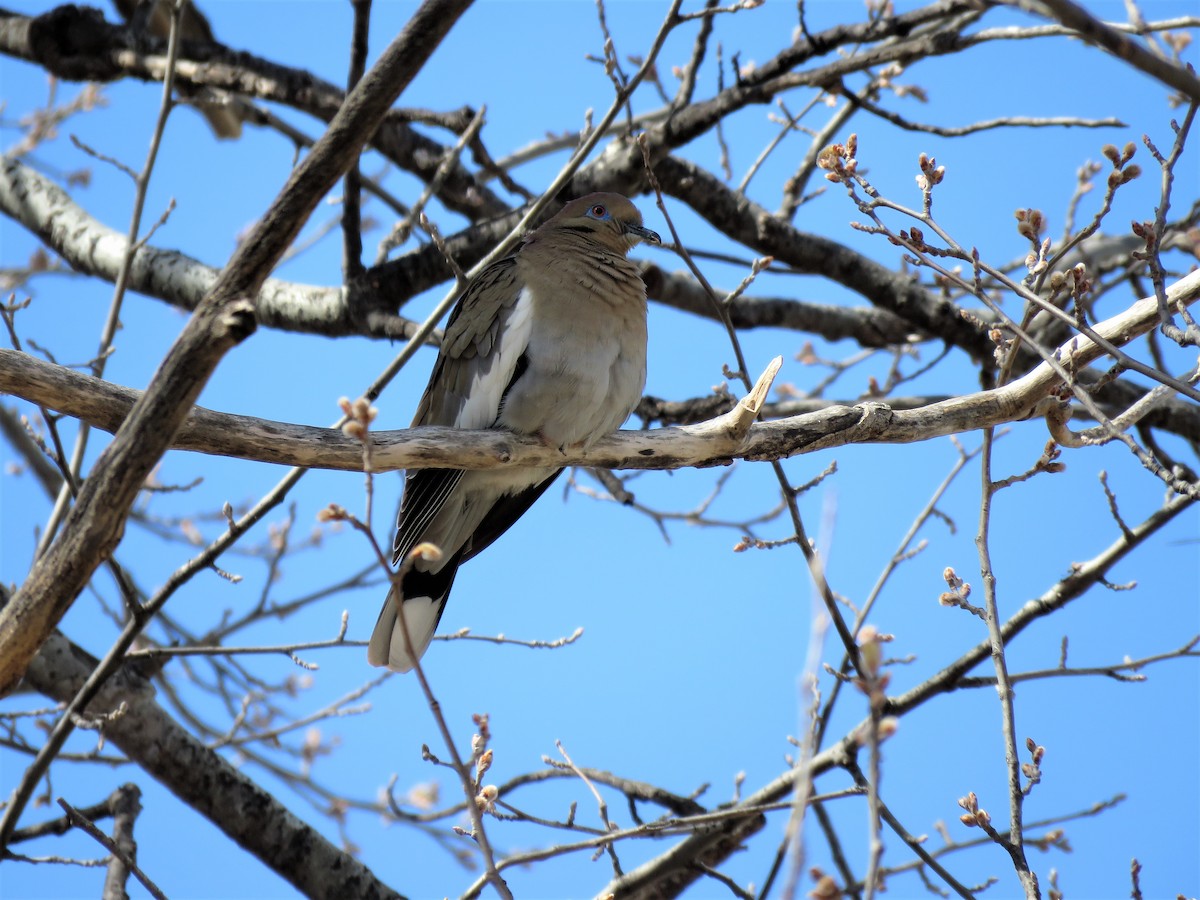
(482, 405)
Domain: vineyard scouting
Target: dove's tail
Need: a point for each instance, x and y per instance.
(425, 596)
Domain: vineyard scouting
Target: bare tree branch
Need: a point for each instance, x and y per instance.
(755, 227)
(710, 443)
(93, 248)
(93, 528)
(199, 776)
(76, 43)
(868, 327)
(1096, 32)
(1062, 330)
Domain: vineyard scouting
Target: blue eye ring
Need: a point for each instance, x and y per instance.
(598, 211)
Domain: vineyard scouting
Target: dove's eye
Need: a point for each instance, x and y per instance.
(599, 212)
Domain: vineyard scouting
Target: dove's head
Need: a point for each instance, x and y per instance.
(609, 219)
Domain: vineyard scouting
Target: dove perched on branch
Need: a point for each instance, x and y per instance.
(548, 342)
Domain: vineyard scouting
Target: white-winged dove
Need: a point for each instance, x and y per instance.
(549, 341)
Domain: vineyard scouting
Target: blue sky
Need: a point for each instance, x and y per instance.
(687, 673)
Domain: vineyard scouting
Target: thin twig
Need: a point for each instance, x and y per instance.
(352, 264)
(81, 822)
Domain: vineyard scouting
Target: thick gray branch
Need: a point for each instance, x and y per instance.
(749, 224)
(710, 443)
(94, 526)
(866, 326)
(76, 43)
(91, 247)
(198, 776)
(1122, 46)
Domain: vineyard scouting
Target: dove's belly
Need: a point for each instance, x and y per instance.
(584, 374)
